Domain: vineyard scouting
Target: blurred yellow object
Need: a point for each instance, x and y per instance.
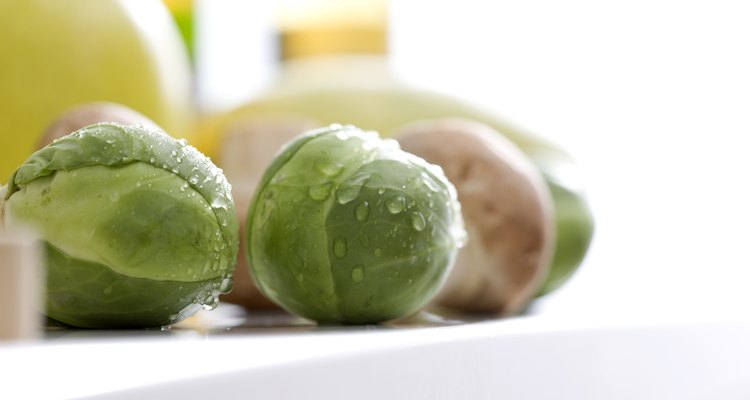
(59, 54)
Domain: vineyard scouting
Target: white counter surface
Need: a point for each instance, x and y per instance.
(272, 356)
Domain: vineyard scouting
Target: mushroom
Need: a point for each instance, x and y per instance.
(507, 210)
(88, 114)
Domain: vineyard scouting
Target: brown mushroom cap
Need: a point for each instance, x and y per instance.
(507, 210)
(89, 114)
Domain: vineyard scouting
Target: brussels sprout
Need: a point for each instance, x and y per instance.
(347, 228)
(139, 228)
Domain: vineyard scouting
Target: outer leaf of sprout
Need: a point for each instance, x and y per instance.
(126, 207)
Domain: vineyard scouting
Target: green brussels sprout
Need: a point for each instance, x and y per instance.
(348, 228)
(139, 228)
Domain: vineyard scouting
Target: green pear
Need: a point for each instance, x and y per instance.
(60, 54)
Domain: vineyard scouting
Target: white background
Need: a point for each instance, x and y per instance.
(652, 97)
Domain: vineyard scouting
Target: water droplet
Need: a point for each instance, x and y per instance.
(343, 135)
(179, 159)
(362, 211)
(330, 169)
(339, 247)
(459, 235)
(417, 221)
(278, 178)
(219, 202)
(430, 183)
(396, 204)
(358, 274)
(378, 252)
(367, 145)
(184, 186)
(381, 191)
(193, 179)
(415, 183)
(350, 190)
(391, 144)
(345, 194)
(210, 302)
(320, 192)
(182, 142)
(226, 284)
(174, 153)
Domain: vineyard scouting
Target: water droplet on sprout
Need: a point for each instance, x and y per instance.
(362, 211)
(320, 192)
(339, 247)
(330, 169)
(351, 189)
(358, 274)
(396, 204)
(226, 285)
(431, 184)
(417, 221)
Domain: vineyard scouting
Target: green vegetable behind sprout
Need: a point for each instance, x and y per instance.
(139, 228)
(347, 228)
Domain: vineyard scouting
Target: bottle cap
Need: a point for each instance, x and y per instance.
(327, 27)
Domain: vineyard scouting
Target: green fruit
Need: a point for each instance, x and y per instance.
(60, 54)
(575, 226)
(347, 228)
(140, 228)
